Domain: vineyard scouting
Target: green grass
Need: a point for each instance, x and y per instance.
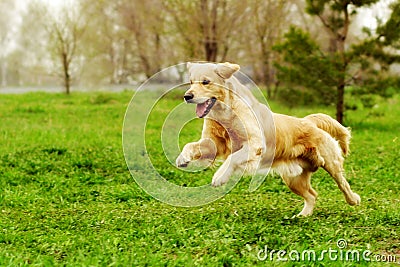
(67, 197)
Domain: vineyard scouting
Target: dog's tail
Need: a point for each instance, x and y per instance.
(334, 128)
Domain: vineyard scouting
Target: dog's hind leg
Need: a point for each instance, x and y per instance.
(336, 170)
(331, 152)
(301, 185)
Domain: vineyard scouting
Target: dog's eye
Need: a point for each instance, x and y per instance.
(191, 82)
(205, 82)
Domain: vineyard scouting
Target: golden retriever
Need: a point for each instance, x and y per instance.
(249, 137)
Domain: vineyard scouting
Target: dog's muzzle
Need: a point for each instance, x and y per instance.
(188, 97)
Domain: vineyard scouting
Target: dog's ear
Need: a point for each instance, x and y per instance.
(226, 70)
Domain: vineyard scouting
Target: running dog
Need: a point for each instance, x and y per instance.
(249, 137)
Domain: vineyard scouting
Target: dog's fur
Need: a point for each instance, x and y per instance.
(249, 137)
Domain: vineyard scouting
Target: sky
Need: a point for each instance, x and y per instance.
(380, 10)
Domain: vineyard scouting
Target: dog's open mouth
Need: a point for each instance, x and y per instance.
(203, 109)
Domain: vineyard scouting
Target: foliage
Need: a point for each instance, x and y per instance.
(377, 53)
(307, 67)
(129, 40)
(67, 198)
(327, 72)
(94, 42)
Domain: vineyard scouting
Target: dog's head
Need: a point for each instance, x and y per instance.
(208, 84)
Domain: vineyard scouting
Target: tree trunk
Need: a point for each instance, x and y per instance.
(67, 84)
(209, 27)
(340, 43)
(211, 48)
(67, 76)
(340, 46)
(340, 103)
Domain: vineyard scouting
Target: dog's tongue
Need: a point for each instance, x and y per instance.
(201, 109)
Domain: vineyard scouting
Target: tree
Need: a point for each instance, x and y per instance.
(50, 39)
(64, 32)
(323, 71)
(32, 45)
(145, 22)
(377, 53)
(106, 43)
(265, 27)
(207, 28)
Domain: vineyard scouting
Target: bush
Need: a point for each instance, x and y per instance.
(293, 97)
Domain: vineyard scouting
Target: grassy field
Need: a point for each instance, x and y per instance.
(67, 197)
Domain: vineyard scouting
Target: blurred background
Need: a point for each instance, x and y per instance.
(290, 48)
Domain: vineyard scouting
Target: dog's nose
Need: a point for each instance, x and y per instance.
(188, 96)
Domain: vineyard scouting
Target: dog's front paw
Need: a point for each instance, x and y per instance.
(219, 180)
(181, 161)
(222, 175)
